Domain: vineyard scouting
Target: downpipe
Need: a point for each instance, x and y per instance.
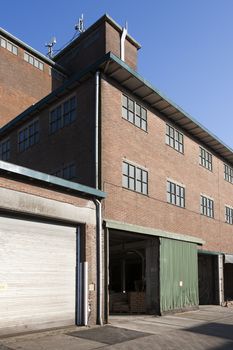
(98, 207)
(100, 263)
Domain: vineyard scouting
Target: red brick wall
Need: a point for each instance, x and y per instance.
(71, 144)
(84, 51)
(93, 45)
(122, 140)
(113, 44)
(21, 84)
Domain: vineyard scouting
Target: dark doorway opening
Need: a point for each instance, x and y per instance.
(228, 282)
(133, 273)
(208, 279)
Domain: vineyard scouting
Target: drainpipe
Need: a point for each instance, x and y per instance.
(100, 262)
(98, 206)
(123, 36)
(97, 88)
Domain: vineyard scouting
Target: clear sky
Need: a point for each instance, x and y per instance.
(187, 45)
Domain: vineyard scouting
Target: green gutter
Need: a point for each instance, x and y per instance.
(50, 180)
(121, 226)
(209, 252)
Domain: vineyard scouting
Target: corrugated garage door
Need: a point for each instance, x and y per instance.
(37, 274)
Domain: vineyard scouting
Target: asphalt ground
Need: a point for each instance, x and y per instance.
(209, 328)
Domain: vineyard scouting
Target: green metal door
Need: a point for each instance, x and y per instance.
(178, 275)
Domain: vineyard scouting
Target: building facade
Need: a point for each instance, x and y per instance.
(168, 214)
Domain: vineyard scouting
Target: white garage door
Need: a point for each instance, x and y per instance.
(37, 275)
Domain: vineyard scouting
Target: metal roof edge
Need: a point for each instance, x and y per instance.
(210, 252)
(144, 81)
(50, 179)
(31, 49)
(122, 226)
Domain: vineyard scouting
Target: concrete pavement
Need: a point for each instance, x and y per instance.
(210, 328)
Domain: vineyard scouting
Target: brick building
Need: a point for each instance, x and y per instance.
(168, 214)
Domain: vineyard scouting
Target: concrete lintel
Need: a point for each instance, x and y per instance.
(24, 203)
(122, 226)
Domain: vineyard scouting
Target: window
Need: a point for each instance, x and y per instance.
(229, 215)
(5, 150)
(228, 173)
(33, 61)
(174, 138)
(207, 206)
(134, 178)
(28, 136)
(134, 113)
(9, 46)
(68, 172)
(175, 194)
(63, 115)
(205, 159)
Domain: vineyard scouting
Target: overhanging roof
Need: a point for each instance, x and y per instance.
(50, 180)
(121, 226)
(119, 71)
(132, 81)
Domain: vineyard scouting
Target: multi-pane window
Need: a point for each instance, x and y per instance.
(229, 215)
(63, 115)
(207, 206)
(134, 112)
(5, 150)
(134, 178)
(175, 194)
(205, 159)
(228, 173)
(28, 136)
(174, 138)
(68, 172)
(9, 46)
(33, 61)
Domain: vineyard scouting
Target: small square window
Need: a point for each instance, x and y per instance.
(134, 113)
(134, 178)
(174, 138)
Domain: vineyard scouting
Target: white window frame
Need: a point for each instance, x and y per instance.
(205, 208)
(135, 177)
(134, 112)
(205, 158)
(174, 139)
(176, 193)
(9, 46)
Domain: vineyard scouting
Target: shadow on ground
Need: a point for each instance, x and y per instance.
(109, 335)
(220, 330)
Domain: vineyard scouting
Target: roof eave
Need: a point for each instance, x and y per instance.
(50, 180)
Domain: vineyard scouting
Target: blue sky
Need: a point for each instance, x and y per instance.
(187, 46)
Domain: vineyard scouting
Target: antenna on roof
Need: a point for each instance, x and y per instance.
(79, 27)
(50, 46)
